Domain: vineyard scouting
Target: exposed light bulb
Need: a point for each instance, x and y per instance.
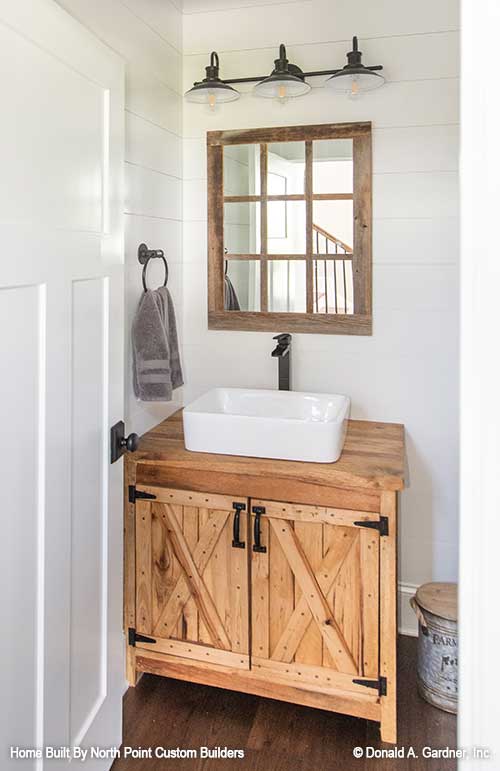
(282, 91)
(211, 101)
(354, 87)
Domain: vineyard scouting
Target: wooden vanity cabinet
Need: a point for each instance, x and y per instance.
(236, 589)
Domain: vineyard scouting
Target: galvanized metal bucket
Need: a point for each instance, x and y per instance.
(435, 605)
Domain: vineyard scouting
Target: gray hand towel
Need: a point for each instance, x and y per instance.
(155, 348)
(231, 302)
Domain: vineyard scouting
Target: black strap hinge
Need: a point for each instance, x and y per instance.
(134, 494)
(382, 525)
(134, 638)
(380, 685)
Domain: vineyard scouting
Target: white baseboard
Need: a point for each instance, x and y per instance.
(408, 624)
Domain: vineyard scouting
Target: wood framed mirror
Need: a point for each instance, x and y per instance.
(290, 229)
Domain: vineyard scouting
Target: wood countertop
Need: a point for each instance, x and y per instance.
(373, 458)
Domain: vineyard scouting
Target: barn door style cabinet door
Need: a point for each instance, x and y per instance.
(192, 597)
(315, 596)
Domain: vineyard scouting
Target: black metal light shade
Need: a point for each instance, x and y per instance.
(286, 80)
(354, 77)
(212, 89)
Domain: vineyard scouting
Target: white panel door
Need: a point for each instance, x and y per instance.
(61, 388)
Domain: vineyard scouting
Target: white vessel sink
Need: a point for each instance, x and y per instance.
(287, 425)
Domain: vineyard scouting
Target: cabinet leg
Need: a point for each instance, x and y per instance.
(388, 725)
(388, 618)
(131, 672)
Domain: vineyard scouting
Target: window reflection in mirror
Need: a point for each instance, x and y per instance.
(333, 166)
(242, 227)
(288, 161)
(333, 226)
(241, 170)
(286, 227)
(286, 286)
(242, 285)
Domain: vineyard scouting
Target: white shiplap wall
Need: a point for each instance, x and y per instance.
(148, 35)
(408, 370)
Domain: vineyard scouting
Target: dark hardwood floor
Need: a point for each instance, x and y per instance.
(276, 736)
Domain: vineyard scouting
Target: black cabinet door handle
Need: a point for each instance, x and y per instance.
(257, 546)
(238, 508)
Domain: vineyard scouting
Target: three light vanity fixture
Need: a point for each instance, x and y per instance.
(287, 80)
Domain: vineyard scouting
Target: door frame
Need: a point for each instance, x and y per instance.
(479, 571)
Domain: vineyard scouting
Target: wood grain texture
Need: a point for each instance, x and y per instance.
(318, 606)
(192, 584)
(312, 677)
(144, 582)
(310, 536)
(373, 459)
(182, 590)
(315, 514)
(215, 214)
(165, 569)
(192, 535)
(369, 591)
(439, 598)
(198, 589)
(197, 652)
(154, 473)
(129, 598)
(319, 324)
(288, 133)
(281, 592)
(388, 618)
(299, 620)
(191, 498)
(259, 596)
(238, 600)
(255, 682)
(362, 248)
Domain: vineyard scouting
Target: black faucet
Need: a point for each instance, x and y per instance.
(284, 353)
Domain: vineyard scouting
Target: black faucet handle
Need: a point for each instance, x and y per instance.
(283, 339)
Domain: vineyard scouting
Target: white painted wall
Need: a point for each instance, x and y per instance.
(148, 35)
(408, 370)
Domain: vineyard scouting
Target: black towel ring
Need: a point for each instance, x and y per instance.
(144, 255)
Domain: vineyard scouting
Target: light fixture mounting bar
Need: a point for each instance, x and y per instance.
(258, 78)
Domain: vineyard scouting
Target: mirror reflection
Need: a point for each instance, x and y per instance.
(242, 227)
(286, 165)
(241, 170)
(287, 286)
(299, 224)
(242, 285)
